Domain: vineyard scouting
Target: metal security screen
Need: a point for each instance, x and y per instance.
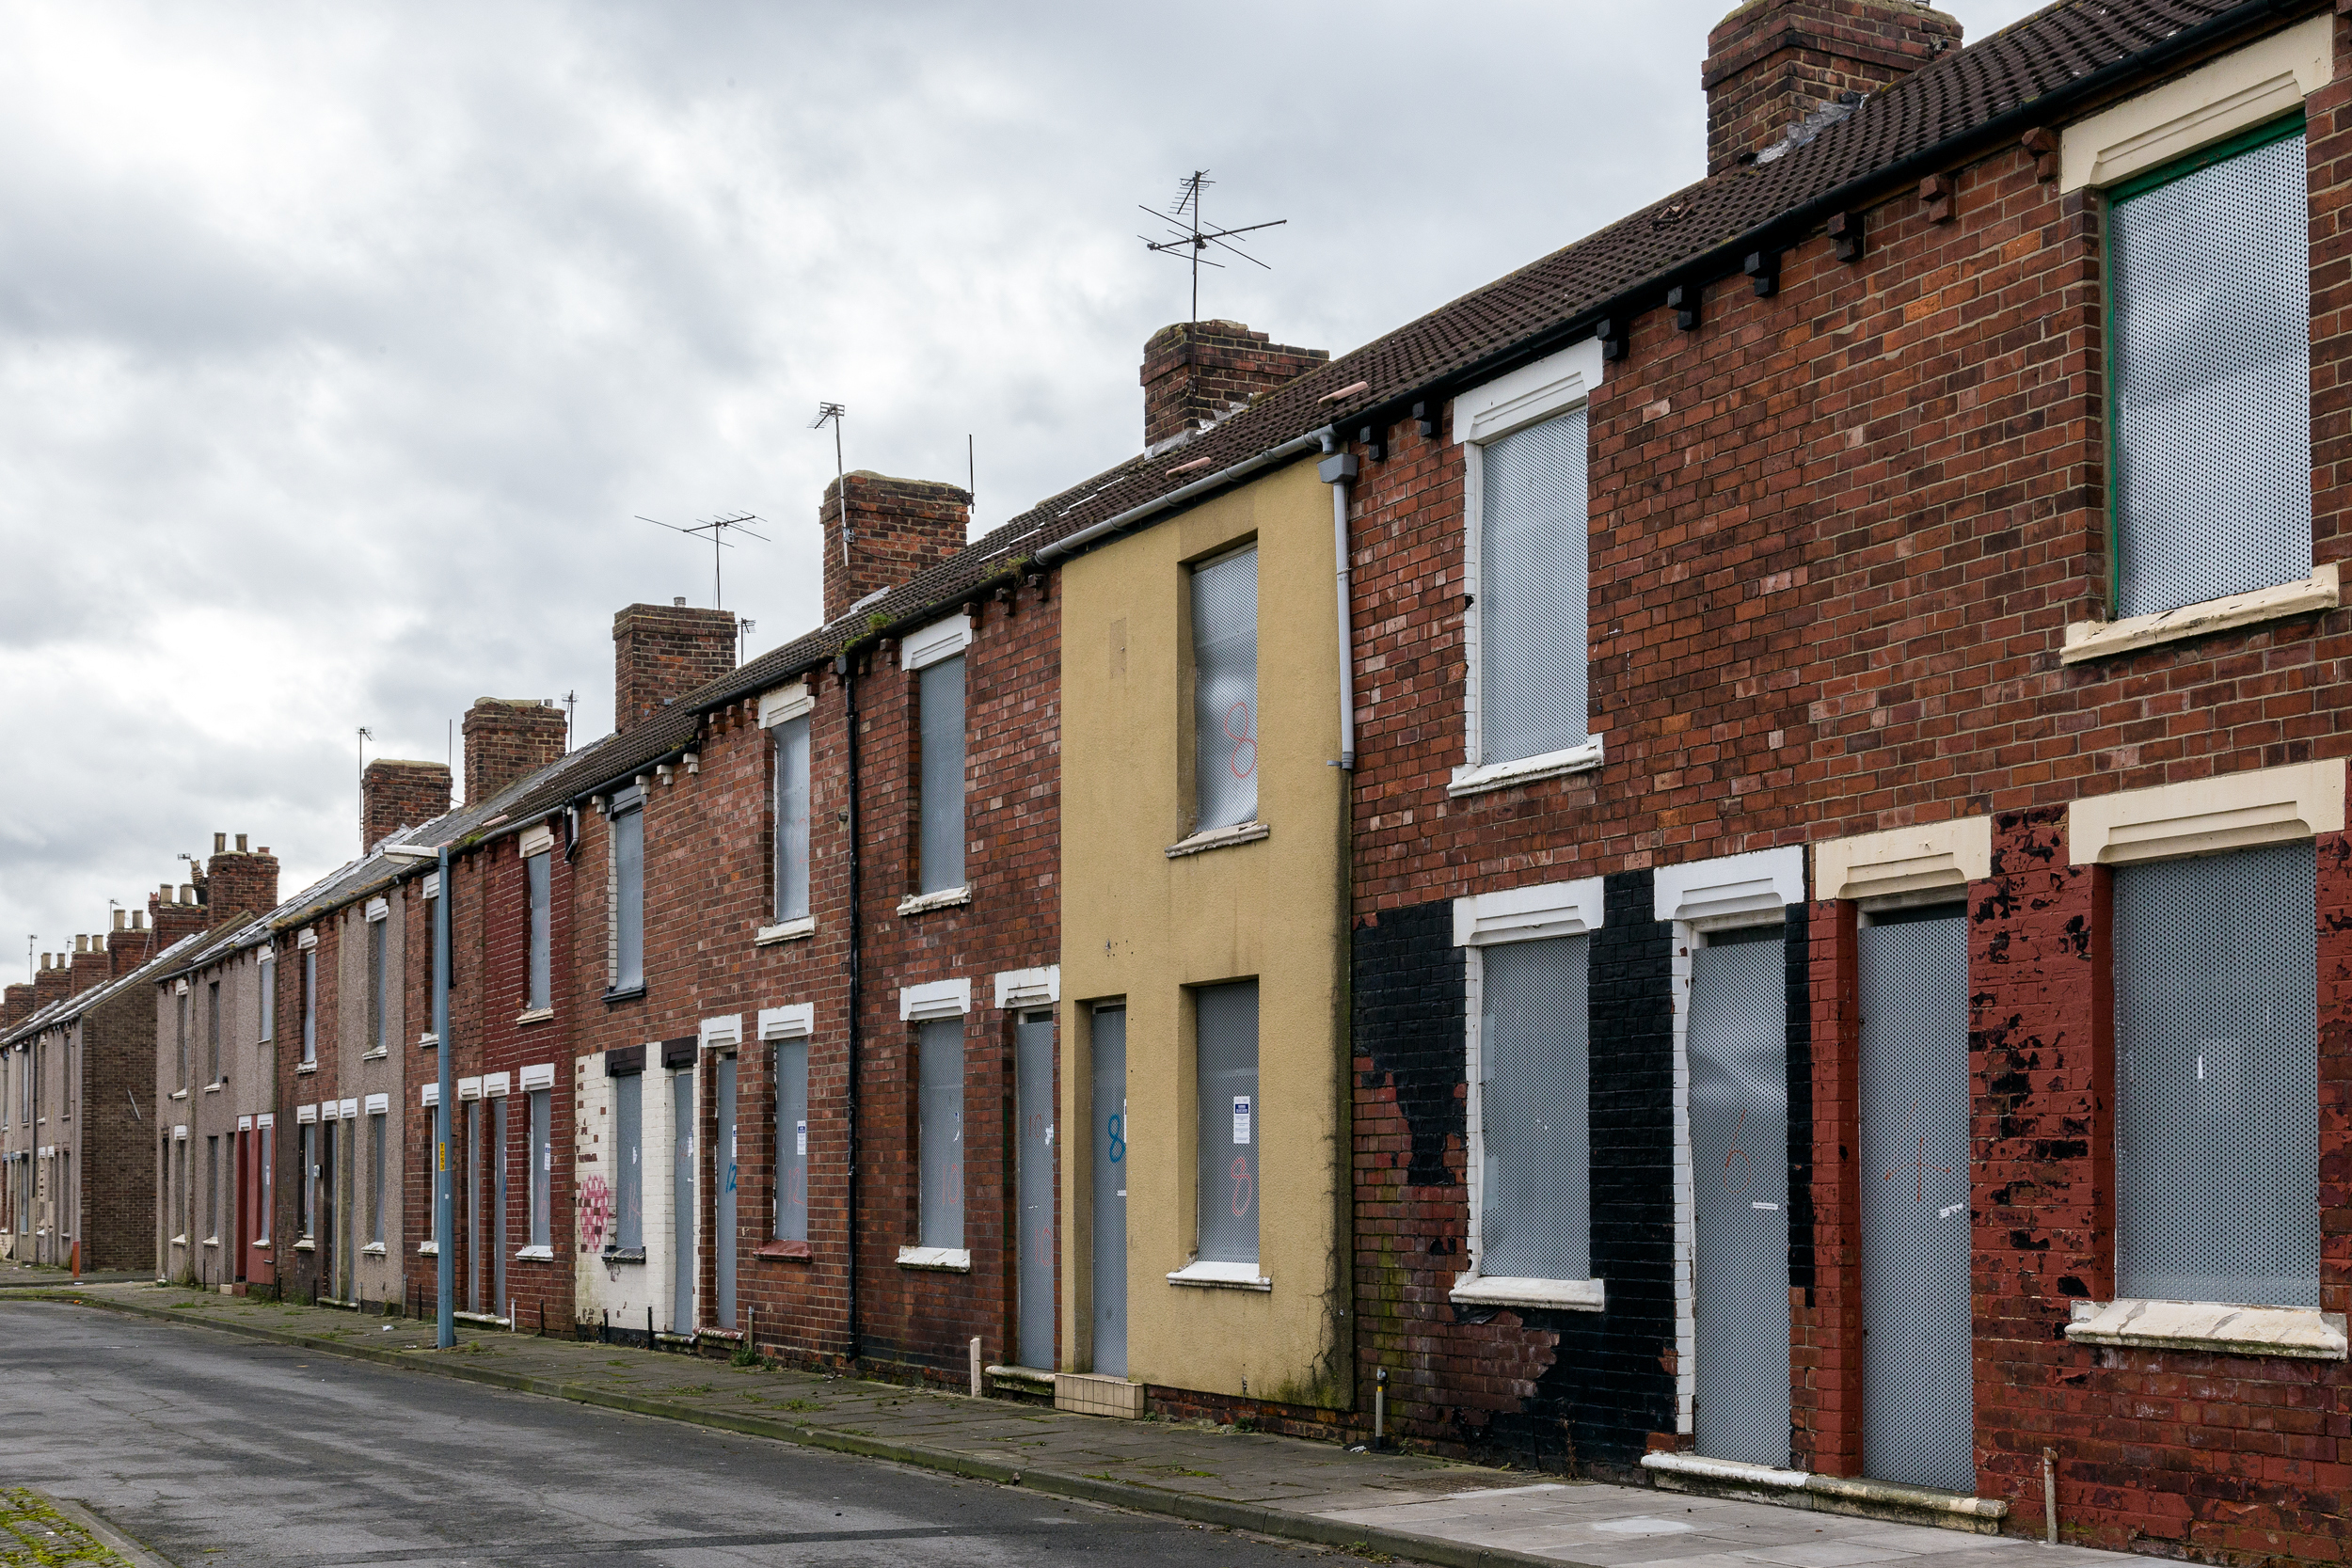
(378, 1038)
(1225, 691)
(2211, 274)
(1109, 1155)
(2217, 1033)
(628, 1162)
(1534, 1189)
(1033, 1089)
(941, 1137)
(1738, 1056)
(792, 1141)
(628, 900)
(941, 703)
(1918, 1414)
(792, 818)
(535, 874)
(1532, 590)
(724, 1166)
(681, 1203)
(1226, 1023)
(542, 1168)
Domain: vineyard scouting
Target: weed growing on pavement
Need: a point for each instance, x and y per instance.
(802, 1404)
(693, 1388)
(33, 1534)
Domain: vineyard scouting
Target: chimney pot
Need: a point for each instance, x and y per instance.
(220, 844)
(1777, 70)
(139, 920)
(678, 603)
(122, 920)
(241, 849)
(81, 944)
(1194, 372)
(187, 893)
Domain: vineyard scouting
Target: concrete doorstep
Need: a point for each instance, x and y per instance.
(1403, 1505)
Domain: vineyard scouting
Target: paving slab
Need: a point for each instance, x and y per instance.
(1413, 1506)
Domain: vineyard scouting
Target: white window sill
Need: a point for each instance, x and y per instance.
(789, 931)
(537, 1015)
(306, 1067)
(261, 1245)
(1726, 1469)
(377, 1054)
(305, 1245)
(176, 1240)
(2216, 1329)
(176, 1094)
(428, 1039)
(1222, 1277)
(373, 1249)
(1506, 775)
(1560, 1295)
(1218, 838)
(537, 1255)
(212, 1088)
(947, 897)
(2089, 640)
(210, 1240)
(428, 1249)
(946, 1260)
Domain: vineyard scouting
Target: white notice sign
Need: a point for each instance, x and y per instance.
(1241, 1119)
(801, 1140)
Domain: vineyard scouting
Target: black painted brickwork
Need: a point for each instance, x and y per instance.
(1608, 1388)
(1407, 980)
(1800, 996)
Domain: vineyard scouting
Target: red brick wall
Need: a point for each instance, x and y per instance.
(1837, 535)
(708, 881)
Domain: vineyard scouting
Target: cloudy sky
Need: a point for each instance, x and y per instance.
(341, 346)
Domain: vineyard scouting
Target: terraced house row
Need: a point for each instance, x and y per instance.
(1722, 863)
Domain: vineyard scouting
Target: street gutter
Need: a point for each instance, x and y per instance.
(1256, 1518)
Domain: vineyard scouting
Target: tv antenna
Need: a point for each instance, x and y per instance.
(832, 413)
(717, 527)
(1191, 239)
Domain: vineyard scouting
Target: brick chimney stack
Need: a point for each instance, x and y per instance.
(1194, 372)
(897, 527)
(53, 982)
(1773, 63)
(507, 739)
(174, 914)
(395, 794)
(660, 653)
(241, 883)
(16, 1004)
(90, 963)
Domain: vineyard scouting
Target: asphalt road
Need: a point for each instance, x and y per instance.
(209, 1449)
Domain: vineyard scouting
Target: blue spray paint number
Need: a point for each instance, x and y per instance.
(1119, 1139)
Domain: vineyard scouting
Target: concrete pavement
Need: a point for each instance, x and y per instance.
(1405, 1505)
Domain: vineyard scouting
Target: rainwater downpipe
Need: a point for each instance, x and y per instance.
(1337, 470)
(845, 670)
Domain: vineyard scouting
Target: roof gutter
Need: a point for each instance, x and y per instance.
(1792, 227)
(1061, 549)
